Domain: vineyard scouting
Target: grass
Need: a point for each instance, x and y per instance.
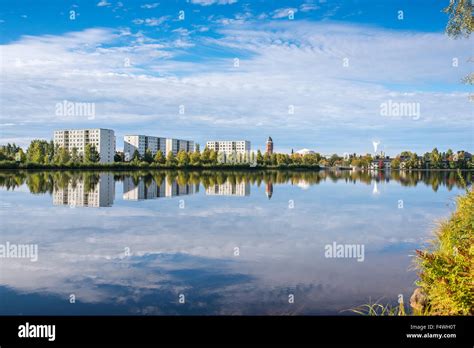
(446, 269)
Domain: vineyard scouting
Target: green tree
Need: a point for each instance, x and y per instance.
(62, 156)
(205, 156)
(259, 158)
(90, 154)
(136, 156)
(195, 158)
(148, 157)
(213, 157)
(119, 157)
(75, 158)
(396, 163)
(20, 156)
(435, 158)
(37, 151)
(170, 159)
(159, 158)
(182, 158)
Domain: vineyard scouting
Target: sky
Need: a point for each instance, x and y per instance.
(310, 74)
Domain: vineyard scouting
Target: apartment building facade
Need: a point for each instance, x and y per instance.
(141, 143)
(176, 145)
(229, 146)
(102, 139)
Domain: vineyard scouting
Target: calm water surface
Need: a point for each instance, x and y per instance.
(230, 242)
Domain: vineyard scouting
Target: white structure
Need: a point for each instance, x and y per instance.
(141, 143)
(229, 146)
(176, 145)
(229, 189)
(305, 152)
(101, 194)
(102, 139)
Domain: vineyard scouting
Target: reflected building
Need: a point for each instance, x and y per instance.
(229, 189)
(84, 194)
(269, 190)
(142, 190)
(139, 191)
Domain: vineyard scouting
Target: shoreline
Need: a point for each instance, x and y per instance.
(9, 166)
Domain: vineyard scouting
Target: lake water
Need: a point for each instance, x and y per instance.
(170, 243)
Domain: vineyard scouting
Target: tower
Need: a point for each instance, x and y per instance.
(269, 146)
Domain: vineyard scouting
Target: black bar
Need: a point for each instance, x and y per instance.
(350, 330)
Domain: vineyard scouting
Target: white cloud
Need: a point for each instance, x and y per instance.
(151, 22)
(213, 2)
(103, 3)
(284, 12)
(307, 7)
(280, 64)
(150, 6)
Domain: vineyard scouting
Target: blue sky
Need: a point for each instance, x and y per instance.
(334, 63)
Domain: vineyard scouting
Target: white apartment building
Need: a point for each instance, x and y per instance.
(102, 139)
(141, 143)
(75, 195)
(176, 145)
(229, 146)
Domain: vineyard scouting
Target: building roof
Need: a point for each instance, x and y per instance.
(270, 139)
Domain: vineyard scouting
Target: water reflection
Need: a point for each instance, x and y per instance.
(135, 189)
(88, 191)
(137, 256)
(93, 189)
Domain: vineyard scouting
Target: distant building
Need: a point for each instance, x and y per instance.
(381, 164)
(269, 148)
(229, 146)
(102, 139)
(141, 143)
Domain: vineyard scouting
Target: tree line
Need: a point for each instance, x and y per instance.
(42, 152)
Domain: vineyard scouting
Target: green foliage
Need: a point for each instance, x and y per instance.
(447, 268)
(38, 151)
(148, 157)
(90, 154)
(461, 18)
(170, 159)
(159, 158)
(182, 158)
